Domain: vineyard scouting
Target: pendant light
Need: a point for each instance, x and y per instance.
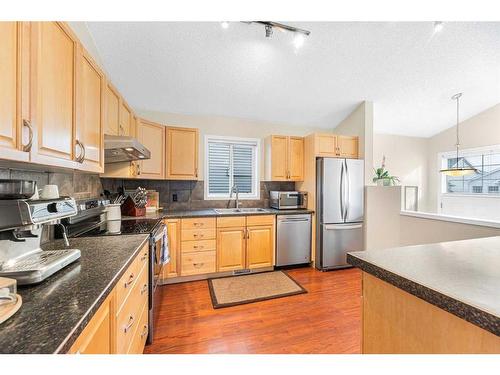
(458, 171)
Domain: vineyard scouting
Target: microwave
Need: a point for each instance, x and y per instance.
(288, 200)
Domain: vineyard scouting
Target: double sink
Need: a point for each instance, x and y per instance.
(225, 211)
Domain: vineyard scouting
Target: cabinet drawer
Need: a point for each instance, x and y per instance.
(198, 223)
(231, 221)
(260, 220)
(128, 317)
(202, 245)
(140, 334)
(197, 263)
(128, 280)
(197, 234)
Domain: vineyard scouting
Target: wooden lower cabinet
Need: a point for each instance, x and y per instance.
(174, 246)
(120, 325)
(231, 249)
(260, 246)
(96, 338)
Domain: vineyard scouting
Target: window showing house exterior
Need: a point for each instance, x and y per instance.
(231, 163)
(486, 180)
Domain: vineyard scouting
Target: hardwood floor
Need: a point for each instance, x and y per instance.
(327, 319)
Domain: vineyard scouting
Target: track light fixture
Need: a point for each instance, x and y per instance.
(269, 26)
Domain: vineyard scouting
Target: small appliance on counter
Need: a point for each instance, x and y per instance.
(21, 222)
(288, 200)
(90, 221)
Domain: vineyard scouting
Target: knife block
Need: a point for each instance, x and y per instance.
(129, 208)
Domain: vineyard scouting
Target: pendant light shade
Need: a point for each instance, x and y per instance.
(458, 171)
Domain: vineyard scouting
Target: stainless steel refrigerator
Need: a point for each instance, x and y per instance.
(339, 210)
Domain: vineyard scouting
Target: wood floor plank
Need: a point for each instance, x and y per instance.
(327, 319)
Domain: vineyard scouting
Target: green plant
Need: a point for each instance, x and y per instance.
(383, 174)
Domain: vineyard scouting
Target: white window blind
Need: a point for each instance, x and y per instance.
(231, 162)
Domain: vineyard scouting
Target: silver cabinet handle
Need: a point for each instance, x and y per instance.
(27, 147)
(79, 159)
(198, 265)
(144, 289)
(130, 280)
(144, 331)
(129, 324)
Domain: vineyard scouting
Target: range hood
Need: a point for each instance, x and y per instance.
(120, 148)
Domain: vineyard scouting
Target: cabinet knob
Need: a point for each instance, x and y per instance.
(27, 146)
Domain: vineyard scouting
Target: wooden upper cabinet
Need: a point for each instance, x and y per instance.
(152, 136)
(112, 124)
(14, 89)
(260, 246)
(182, 153)
(347, 146)
(231, 246)
(90, 115)
(55, 98)
(279, 158)
(325, 145)
(285, 158)
(125, 127)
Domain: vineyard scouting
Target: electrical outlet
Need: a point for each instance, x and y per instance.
(174, 197)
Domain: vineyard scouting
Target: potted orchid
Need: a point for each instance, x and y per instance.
(382, 176)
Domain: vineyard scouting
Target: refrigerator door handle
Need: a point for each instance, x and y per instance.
(348, 188)
(342, 226)
(342, 192)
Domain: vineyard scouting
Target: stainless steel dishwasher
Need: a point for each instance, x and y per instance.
(293, 239)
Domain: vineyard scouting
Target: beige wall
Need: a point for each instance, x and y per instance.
(227, 126)
(478, 131)
(360, 123)
(406, 158)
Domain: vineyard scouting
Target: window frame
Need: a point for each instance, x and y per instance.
(442, 158)
(256, 142)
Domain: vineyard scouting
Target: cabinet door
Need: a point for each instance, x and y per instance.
(260, 246)
(182, 153)
(96, 337)
(296, 159)
(152, 136)
(55, 77)
(348, 146)
(326, 145)
(231, 249)
(125, 119)
(112, 111)
(174, 245)
(279, 158)
(90, 115)
(13, 53)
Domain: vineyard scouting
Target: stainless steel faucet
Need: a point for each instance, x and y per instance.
(235, 189)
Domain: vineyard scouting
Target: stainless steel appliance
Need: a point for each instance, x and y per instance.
(21, 224)
(293, 239)
(118, 148)
(288, 200)
(91, 222)
(340, 210)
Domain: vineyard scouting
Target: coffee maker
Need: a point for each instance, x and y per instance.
(21, 223)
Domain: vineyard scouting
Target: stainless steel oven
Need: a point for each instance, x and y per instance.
(288, 200)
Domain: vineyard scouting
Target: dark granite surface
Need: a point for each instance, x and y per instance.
(461, 277)
(167, 214)
(55, 311)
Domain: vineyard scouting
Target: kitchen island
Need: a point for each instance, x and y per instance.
(434, 298)
(56, 311)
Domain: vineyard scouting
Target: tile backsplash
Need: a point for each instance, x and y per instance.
(75, 184)
(190, 194)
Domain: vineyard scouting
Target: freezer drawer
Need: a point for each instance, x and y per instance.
(293, 239)
(336, 241)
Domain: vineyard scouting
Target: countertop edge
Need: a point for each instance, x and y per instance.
(186, 215)
(83, 322)
(471, 314)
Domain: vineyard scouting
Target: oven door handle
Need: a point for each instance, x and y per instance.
(160, 233)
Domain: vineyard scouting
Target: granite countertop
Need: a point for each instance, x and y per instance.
(210, 212)
(461, 277)
(55, 311)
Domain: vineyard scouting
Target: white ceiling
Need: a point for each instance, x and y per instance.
(406, 70)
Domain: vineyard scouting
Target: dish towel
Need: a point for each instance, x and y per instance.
(165, 253)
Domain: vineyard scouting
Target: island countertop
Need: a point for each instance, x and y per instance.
(461, 277)
(55, 311)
